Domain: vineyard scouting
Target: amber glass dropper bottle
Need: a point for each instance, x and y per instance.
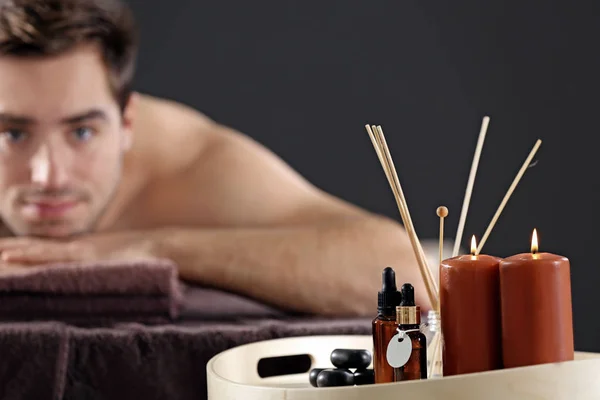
(408, 316)
(384, 326)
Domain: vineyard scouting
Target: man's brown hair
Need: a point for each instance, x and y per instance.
(38, 28)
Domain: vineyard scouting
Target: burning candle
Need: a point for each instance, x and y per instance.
(537, 321)
(470, 311)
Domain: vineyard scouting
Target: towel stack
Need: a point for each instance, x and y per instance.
(146, 291)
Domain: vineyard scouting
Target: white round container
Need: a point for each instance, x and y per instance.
(233, 374)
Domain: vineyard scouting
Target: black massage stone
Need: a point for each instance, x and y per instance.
(335, 377)
(347, 358)
(364, 377)
(312, 376)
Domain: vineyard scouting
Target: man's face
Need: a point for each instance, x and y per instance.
(62, 139)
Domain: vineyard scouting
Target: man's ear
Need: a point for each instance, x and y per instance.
(129, 114)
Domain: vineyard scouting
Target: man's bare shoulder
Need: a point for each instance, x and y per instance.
(169, 136)
(173, 138)
(183, 158)
(204, 173)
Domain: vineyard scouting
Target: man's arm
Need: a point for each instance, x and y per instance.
(280, 239)
(331, 268)
(234, 216)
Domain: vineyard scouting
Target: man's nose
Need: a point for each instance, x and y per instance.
(48, 168)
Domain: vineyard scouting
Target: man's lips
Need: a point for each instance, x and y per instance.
(49, 209)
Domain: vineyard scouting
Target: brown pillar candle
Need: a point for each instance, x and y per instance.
(537, 320)
(470, 312)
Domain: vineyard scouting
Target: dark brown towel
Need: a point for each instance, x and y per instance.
(132, 361)
(209, 304)
(33, 360)
(89, 293)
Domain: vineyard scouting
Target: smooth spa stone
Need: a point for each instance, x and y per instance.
(335, 377)
(351, 358)
(470, 309)
(537, 320)
(312, 376)
(364, 377)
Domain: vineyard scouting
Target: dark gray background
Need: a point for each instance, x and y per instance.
(303, 77)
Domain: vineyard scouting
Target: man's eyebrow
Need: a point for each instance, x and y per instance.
(23, 120)
(86, 116)
(14, 119)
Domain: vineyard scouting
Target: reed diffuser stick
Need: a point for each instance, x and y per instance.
(383, 153)
(379, 155)
(436, 345)
(378, 141)
(510, 191)
(426, 273)
(442, 212)
(470, 183)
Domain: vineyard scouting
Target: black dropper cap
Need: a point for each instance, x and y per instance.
(408, 295)
(389, 297)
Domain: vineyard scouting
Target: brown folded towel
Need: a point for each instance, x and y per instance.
(132, 361)
(34, 360)
(51, 361)
(140, 291)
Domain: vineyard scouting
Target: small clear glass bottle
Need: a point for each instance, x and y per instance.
(432, 330)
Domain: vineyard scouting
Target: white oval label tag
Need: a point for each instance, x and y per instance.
(399, 350)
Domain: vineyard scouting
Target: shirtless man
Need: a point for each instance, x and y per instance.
(92, 170)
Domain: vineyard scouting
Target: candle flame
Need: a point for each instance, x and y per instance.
(534, 242)
(473, 245)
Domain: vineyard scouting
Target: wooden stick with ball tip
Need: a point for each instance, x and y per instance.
(441, 212)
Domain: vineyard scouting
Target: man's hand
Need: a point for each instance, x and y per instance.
(105, 246)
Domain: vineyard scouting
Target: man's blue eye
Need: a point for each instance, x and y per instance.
(83, 134)
(14, 135)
